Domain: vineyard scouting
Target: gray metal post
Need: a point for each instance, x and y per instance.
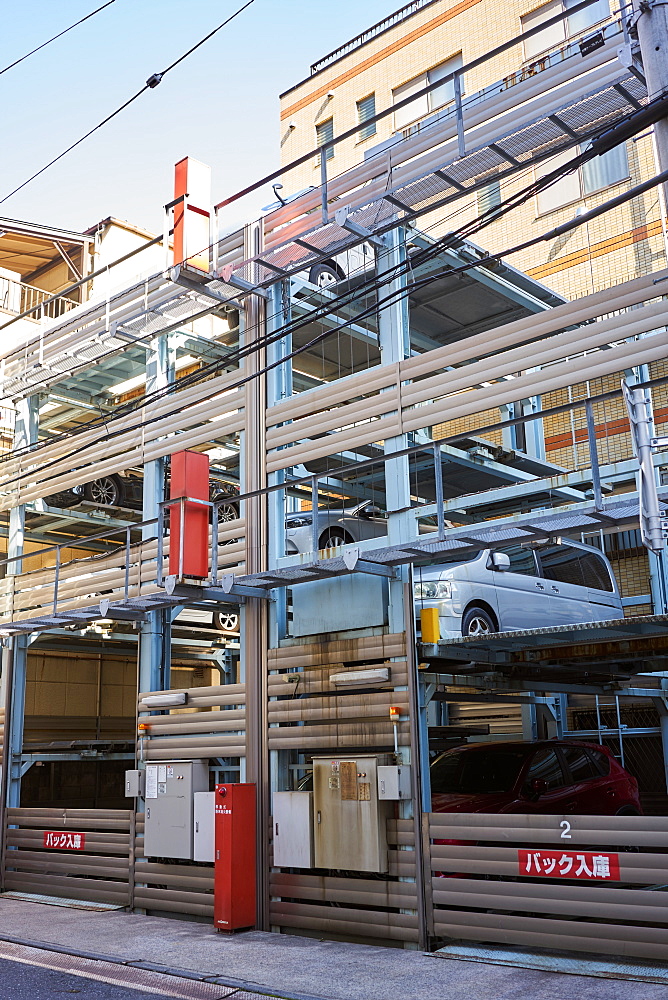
(394, 339)
(254, 624)
(15, 658)
(652, 27)
(155, 634)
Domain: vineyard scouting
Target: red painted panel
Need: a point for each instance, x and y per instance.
(234, 874)
(189, 478)
(64, 840)
(590, 866)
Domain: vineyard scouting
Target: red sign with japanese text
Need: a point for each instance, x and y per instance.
(569, 864)
(64, 840)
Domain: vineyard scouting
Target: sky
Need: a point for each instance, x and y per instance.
(219, 106)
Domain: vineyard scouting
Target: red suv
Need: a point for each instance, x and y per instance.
(550, 776)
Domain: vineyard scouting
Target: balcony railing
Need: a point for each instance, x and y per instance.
(17, 297)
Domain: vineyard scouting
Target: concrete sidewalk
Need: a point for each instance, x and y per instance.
(289, 966)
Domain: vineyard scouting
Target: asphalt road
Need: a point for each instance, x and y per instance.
(30, 982)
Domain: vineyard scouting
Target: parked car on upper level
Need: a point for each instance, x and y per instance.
(335, 526)
(519, 587)
(126, 489)
(549, 776)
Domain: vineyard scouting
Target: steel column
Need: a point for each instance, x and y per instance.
(254, 623)
(154, 652)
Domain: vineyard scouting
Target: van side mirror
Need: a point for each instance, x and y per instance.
(500, 561)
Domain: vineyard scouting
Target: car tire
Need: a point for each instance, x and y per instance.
(226, 620)
(478, 621)
(105, 491)
(323, 275)
(333, 537)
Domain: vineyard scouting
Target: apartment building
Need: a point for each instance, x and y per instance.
(424, 42)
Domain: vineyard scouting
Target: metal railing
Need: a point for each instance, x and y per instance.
(18, 297)
(366, 36)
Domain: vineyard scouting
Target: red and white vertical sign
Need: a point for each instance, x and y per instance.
(192, 216)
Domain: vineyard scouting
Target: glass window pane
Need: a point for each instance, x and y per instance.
(325, 133)
(583, 19)
(545, 765)
(601, 760)
(563, 191)
(417, 108)
(580, 764)
(366, 109)
(562, 563)
(476, 771)
(550, 37)
(446, 92)
(489, 197)
(595, 572)
(521, 559)
(602, 171)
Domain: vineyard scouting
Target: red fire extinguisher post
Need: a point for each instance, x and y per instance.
(189, 522)
(234, 888)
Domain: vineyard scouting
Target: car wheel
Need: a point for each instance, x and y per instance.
(333, 537)
(324, 275)
(227, 512)
(477, 621)
(105, 491)
(226, 620)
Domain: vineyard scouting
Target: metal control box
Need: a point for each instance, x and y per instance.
(394, 782)
(169, 791)
(134, 784)
(293, 829)
(203, 834)
(349, 820)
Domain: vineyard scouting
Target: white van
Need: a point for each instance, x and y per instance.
(519, 587)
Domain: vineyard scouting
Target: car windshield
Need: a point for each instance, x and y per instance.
(476, 771)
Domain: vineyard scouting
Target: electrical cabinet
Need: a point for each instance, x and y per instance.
(203, 833)
(394, 782)
(293, 826)
(350, 822)
(134, 784)
(169, 795)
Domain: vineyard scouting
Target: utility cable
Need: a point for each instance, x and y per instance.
(150, 84)
(388, 299)
(373, 284)
(604, 141)
(59, 35)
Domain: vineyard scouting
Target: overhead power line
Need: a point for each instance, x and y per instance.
(150, 84)
(59, 35)
(378, 283)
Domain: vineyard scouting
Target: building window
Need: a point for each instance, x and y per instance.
(426, 103)
(324, 132)
(609, 168)
(366, 108)
(489, 197)
(556, 35)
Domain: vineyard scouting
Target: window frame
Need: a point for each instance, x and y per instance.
(367, 129)
(329, 153)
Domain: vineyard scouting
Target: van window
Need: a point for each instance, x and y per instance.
(561, 563)
(595, 572)
(521, 559)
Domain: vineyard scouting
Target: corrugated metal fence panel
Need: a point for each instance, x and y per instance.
(308, 711)
(481, 892)
(379, 908)
(176, 888)
(98, 873)
(212, 725)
